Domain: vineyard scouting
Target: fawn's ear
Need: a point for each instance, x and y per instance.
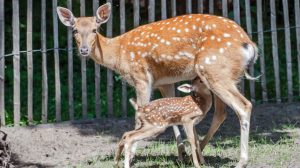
(103, 13)
(185, 88)
(133, 103)
(65, 16)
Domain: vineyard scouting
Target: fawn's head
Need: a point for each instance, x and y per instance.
(85, 28)
(197, 86)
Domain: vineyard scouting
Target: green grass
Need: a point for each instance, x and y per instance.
(265, 150)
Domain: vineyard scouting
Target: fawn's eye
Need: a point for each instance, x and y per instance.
(94, 30)
(75, 31)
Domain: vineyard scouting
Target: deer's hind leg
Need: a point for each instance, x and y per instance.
(219, 116)
(169, 91)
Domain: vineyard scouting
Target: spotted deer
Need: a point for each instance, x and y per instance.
(158, 54)
(156, 116)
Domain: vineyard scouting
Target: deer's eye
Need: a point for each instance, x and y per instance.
(75, 31)
(94, 31)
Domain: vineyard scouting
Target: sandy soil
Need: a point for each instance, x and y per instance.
(67, 143)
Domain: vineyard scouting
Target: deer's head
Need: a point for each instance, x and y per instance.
(196, 86)
(85, 28)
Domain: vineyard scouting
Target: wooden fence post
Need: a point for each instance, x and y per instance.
(224, 8)
(173, 6)
(124, 84)
(97, 74)
(44, 64)
(200, 6)
(211, 6)
(297, 18)
(151, 11)
(56, 64)
(2, 65)
(110, 74)
(275, 50)
(70, 68)
(260, 35)
(288, 50)
(29, 62)
(16, 62)
(188, 6)
(83, 72)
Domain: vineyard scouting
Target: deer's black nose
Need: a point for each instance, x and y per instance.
(84, 50)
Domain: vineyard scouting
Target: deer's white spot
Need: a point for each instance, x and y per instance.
(228, 43)
(132, 55)
(214, 25)
(242, 35)
(173, 28)
(204, 38)
(194, 46)
(168, 42)
(168, 23)
(186, 23)
(207, 61)
(178, 31)
(221, 50)
(212, 37)
(162, 40)
(177, 57)
(161, 28)
(198, 19)
(207, 27)
(186, 30)
(202, 48)
(190, 16)
(200, 29)
(226, 35)
(219, 39)
(201, 67)
(213, 57)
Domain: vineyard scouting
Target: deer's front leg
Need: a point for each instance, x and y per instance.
(169, 91)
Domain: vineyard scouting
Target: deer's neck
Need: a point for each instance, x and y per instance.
(106, 52)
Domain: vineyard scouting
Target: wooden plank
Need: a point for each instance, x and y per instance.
(200, 6)
(224, 8)
(2, 65)
(110, 81)
(163, 9)
(260, 35)
(188, 8)
(83, 72)
(173, 6)
(56, 64)
(237, 19)
(70, 68)
(97, 75)
(151, 11)
(249, 31)
(297, 18)
(16, 62)
(288, 50)
(275, 51)
(136, 13)
(211, 6)
(44, 64)
(29, 63)
(124, 84)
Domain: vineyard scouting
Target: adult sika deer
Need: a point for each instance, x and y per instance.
(159, 54)
(156, 116)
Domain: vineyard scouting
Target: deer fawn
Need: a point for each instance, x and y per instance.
(159, 54)
(156, 116)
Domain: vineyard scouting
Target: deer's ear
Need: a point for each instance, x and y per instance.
(65, 16)
(133, 103)
(185, 88)
(103, 13)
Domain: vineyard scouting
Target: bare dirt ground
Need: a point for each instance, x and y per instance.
(69, 143)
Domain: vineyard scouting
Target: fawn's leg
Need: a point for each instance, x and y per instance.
(190, 133)
(169, 91)
(198, 149)
(219, 116)
(137, 135)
